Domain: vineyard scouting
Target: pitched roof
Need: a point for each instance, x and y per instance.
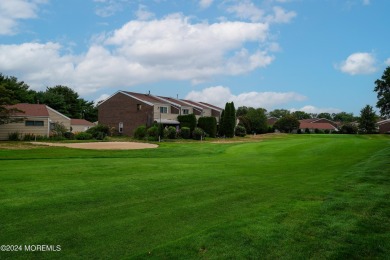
(145, 97)
(212, 106)
(175, 101)
(30, 110)
(320, 126)
(197, 104)
(383, 122)
(80, 122)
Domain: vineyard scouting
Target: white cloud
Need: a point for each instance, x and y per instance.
(13, 11)
(205, 3)
(102, 97)
(387, 62)
(358, 63)
(317, 110)
(106, 8)
(172, 48)
(247, 10)
(219, 95)
(143, 14)
(366, 2)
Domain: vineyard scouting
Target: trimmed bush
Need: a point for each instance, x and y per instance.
(187, 121)
(140, 132)
(171, 132)
(99, 132)
(209, 125)
(185, 132)
(198, 133)
(83, 136)
(240, 131)
(152, 133)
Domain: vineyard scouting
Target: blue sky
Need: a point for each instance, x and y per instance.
(311, 55)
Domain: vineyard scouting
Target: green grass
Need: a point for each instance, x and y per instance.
(296, 197)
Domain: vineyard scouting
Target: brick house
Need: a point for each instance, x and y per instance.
(318, 123)
(125, 111)
(384, 126)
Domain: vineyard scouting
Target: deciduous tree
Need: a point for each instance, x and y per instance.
(383, 93)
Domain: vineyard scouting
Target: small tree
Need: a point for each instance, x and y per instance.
(198, 133)
(367, 120)
(240, 131)
(58, 129)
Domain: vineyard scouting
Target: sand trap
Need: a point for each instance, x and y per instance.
(103, 145)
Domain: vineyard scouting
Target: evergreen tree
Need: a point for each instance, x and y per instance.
(367, 120)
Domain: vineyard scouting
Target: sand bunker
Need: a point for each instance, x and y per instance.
(103, 145)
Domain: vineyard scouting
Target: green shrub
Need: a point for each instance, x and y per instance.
(299, 131)
(29, 137)
(307, 131)
(240, 131)
(152, 133)
(187, 121)
(349, 129)
(15, 136)
(99, 132)
(58, 130)
(198, 133)
(69, 135)
(171, 132)
(83, 136)
(209, 125)
(185, 133)
(140, 132)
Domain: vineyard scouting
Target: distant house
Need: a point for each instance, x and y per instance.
(80, 125)
(125, 111)
(271, 121)
(318, 123)
(35, 119)
(384, 126)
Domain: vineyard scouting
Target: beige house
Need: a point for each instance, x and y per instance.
(80, 125)
(34, 119)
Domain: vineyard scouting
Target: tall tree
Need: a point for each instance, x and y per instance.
(279, 113)
(287, 124)
(367, 120)
(300, 115)
(383, 93)
(229, 119)
(258, 120)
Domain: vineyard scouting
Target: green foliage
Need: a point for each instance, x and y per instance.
(348, 128)
(240, 131)
(307, 131)
(287, 124)
(187, 121)
(185, 132)
(279, 113)
(324, 115)
(343, 117)
(229, 120)
(58, 129)
(367, 120)
(257, 120)
(382, 89)
(140, 132)
(171, 132)
(209, 125)
(83, 136)
(198, 133)
(15, 136)
(221, 126)
(99, 132)
(153, 133)
(300, 115)
(241, 111)
(69, 135)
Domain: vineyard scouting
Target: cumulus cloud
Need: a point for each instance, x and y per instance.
(106, 8)
(219, 95)
(205, 3)
(143, 14)
(358, 63)
(317, 110)
(171, 48)
(13, 11)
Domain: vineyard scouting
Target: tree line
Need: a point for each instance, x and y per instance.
(61, 98)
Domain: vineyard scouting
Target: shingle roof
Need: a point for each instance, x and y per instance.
(30, 110)
(80, 122)
(212, 106)
(320, 126)
(145, 97)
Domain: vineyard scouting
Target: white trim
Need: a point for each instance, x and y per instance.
(383, 122)
(166, 100)
(213, 108)
(192, 105)
(55, 111)
(126, 94)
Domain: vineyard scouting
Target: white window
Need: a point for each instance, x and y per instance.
(186, 111)
(139, 107)
(120, 129)
(163, 110)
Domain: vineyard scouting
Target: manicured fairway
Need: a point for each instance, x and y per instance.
(291, 197)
